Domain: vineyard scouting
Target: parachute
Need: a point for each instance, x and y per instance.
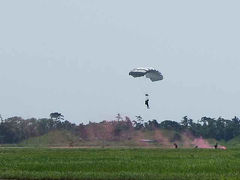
(152, 74)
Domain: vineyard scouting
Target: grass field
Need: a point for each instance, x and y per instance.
(33, 163)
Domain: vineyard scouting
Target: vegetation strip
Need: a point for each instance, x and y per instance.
(33, 163)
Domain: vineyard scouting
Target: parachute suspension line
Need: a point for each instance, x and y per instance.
(141, 88)
(149, 73)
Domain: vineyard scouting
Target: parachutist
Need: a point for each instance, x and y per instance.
(146, 101)
(150, 73)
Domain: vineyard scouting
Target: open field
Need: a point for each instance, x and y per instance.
(33, 163)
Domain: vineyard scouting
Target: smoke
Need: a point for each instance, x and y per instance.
(123, 133)
(222, 147)
(161, 139)
(201, 143)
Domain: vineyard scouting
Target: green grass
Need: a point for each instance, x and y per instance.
(34, 163)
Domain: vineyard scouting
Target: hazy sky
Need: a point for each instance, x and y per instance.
(74, 56)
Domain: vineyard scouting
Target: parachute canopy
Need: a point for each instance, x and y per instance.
(152, 74)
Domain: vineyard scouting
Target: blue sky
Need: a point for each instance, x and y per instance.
(74, 57)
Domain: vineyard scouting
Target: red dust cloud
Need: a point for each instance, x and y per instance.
(201, 143)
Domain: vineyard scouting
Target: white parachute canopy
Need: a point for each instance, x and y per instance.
(151, 73)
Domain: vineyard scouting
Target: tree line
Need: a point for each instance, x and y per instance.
(206, 127)
(16, 129)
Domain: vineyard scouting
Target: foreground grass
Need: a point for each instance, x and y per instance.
(33, 163)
